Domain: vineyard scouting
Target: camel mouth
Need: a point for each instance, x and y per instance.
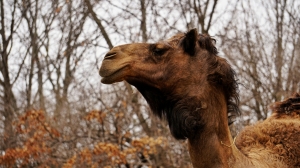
(112, 75)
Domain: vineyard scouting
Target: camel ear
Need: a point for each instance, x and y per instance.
(189, 42)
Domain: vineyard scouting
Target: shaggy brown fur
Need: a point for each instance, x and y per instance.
(278, 136)
(185, 82)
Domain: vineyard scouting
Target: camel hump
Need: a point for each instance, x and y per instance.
(288, 106)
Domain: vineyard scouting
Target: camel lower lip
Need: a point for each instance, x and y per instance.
(110, 79)
(106, 81)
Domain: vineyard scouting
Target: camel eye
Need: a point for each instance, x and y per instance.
(158, 49)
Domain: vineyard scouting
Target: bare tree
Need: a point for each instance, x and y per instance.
(262, 48)
(30, 11)
(10, 21)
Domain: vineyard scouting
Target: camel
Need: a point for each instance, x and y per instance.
(185, 82)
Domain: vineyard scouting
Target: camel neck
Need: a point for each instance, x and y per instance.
(212, 146)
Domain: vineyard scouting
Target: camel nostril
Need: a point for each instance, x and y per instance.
(110, 55)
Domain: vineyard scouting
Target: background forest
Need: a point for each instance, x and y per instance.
(54, 112)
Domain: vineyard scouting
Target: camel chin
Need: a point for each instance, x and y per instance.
(108, 80)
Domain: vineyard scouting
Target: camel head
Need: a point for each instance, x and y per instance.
(174, 76)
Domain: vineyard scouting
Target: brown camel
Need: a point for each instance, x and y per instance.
(185, 82)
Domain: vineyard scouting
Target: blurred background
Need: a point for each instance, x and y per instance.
(54, 112)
